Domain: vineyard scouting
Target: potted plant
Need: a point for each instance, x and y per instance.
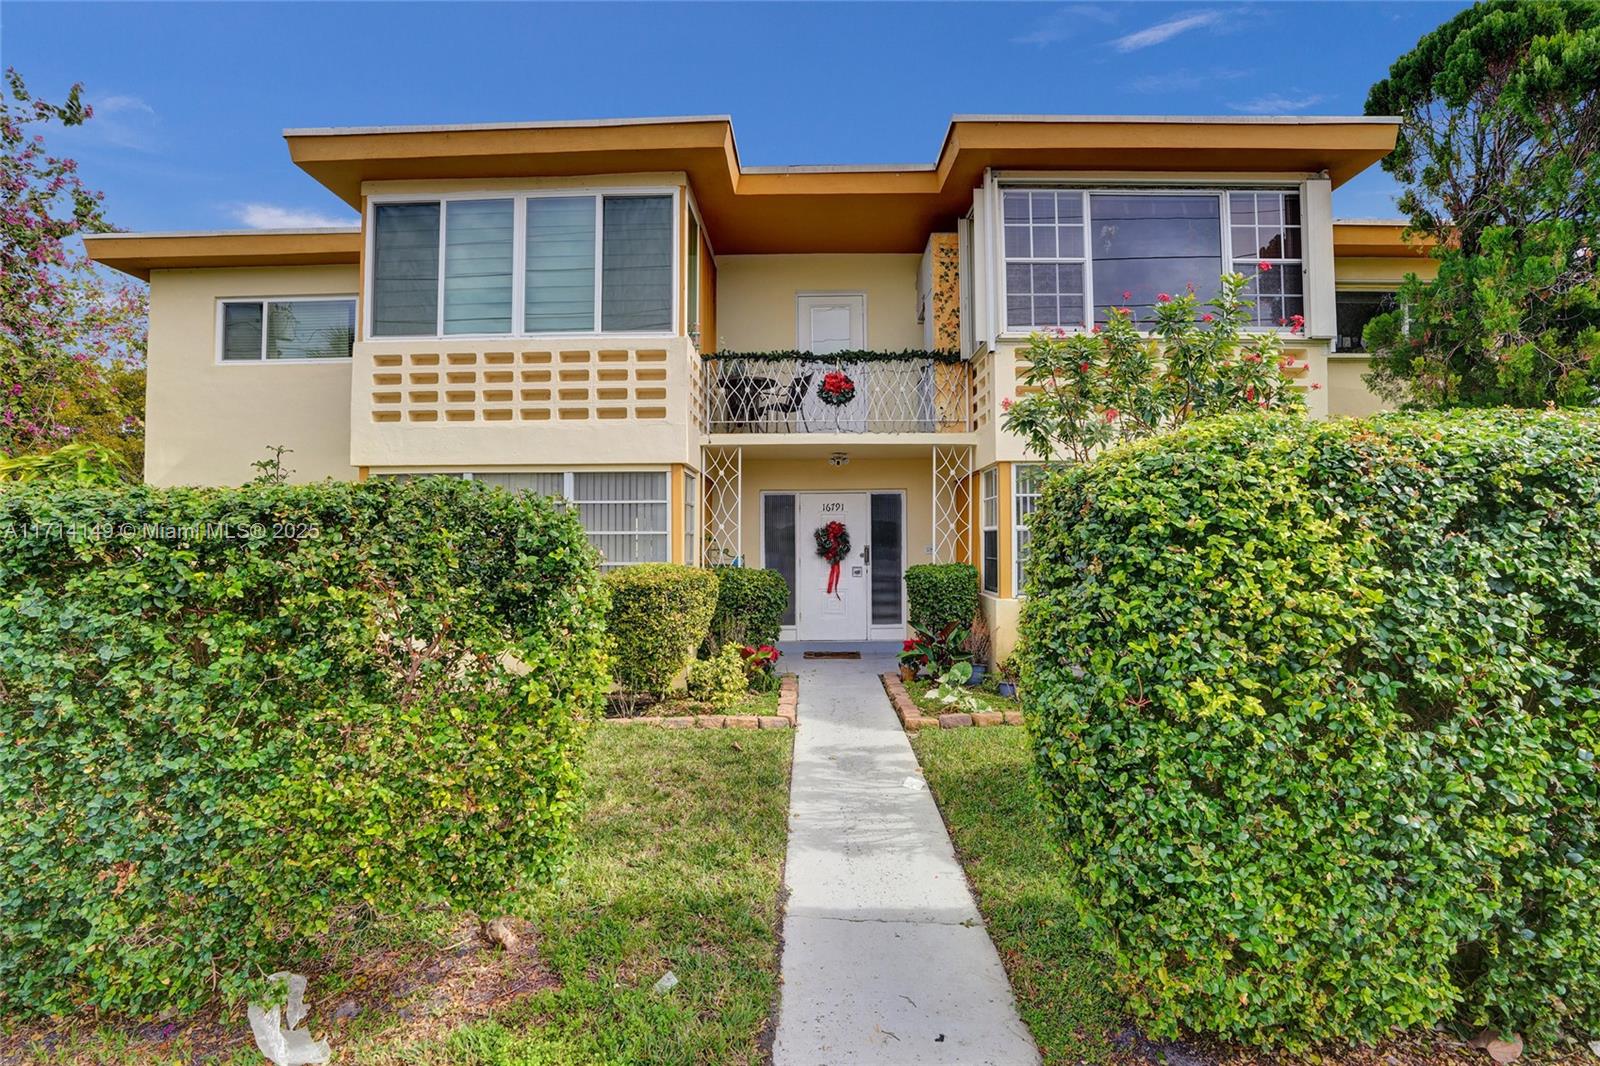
(913, 657)
(1008, 678)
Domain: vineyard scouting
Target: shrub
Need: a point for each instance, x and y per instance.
(1315, 706)
(719, 680)
(233, 717)
(659, 614)
(750, 606)
(940, 595)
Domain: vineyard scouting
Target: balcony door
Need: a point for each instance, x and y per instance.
(826, 323)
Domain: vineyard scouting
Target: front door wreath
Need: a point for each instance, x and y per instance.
(833, 544)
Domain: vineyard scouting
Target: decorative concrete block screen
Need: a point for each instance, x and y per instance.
(500, 381)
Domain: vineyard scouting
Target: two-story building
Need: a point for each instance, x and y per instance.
(622, 314)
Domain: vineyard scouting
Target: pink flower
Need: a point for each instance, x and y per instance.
(1111, 414)
(1297, 322)
(1097, 328)
(1264, 266)
(1316, 385)
(1005, 404)
(1163, 298)
(1126, 295)
(1207, 317)
(1250, 393)
(1083, 368)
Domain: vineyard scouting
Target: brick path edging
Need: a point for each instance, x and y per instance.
(911, 716)
(786, 718)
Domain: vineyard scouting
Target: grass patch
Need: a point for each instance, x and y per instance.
(983, 780)
(921, 694)
(678, 867)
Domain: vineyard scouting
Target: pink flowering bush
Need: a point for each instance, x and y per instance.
(1082, 392)
(71, 343)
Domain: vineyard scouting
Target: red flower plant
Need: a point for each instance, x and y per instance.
(1111, 414)
(1207, 317)
(1264, 266)
(1163, 297)
(1005, 404)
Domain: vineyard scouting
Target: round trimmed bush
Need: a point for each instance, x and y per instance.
(230, 718)
(750, 606)
(941, 594)
(1316, 707)
(658, 616)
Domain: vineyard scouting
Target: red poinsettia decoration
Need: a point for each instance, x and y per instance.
(836, 389)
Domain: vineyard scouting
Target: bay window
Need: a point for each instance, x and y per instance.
(1071, 254)
(314, 327)
(590, 262)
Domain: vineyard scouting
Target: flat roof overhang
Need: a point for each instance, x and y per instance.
(140, 253)
(1380, 238)
(890, 208)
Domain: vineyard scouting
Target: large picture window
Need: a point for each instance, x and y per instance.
(1070, 254)
(253, 331)
(591, 261)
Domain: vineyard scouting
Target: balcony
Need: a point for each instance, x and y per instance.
(902, 392)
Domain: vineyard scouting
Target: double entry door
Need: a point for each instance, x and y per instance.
(866, 601)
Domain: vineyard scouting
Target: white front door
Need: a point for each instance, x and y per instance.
(841, 614)
(827, 324)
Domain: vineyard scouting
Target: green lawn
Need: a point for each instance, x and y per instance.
(983, 780)
(678, 867)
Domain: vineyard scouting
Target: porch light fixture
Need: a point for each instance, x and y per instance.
(838, 459)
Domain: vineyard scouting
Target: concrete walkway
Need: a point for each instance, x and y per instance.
(885, 958)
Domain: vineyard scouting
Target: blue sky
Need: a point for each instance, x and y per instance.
(192, 98)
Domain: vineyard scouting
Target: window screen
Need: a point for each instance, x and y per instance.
(636, 264)
(887, 565)
(253, 330)
(625, 515)
(777, 518)
(477, 266)
(405, 270)
(560, 265)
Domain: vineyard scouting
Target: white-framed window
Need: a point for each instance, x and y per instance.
(1027, 478)
(523, 264)
(285, 329)
(624, 513)
(1069, 254)
(990, 526)
(690, 487)
(1354, 308)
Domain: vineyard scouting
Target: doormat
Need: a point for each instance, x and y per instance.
(833, 655)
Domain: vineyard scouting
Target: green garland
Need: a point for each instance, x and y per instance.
(907, 356)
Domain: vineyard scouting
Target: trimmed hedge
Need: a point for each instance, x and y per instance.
(1316, 708)
(941, 594)
(232, 717)
(658, 616)
(750, 606)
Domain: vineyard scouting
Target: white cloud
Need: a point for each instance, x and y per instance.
(1065, 24)
(271, 216)
(1277, 104)
(120, 121)
(1165, 31)
(111, 105)
(1184, 80)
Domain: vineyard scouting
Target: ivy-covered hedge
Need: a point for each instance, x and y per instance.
(231, 717)
(750, 606)
(941, 594)
(1316, 707)
(659, 615)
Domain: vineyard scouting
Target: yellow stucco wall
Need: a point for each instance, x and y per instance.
(206, 422)
(1381, 272)
(1348, 395)
(912, 475)
(756, 297)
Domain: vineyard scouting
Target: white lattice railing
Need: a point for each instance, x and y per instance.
(781, 395)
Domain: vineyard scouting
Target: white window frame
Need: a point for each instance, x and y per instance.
(519, 249)
(989, 495)
(223, 301)
(995, 239)
(1018, 528)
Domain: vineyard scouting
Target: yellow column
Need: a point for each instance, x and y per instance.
(1003, 507)
(675, 515)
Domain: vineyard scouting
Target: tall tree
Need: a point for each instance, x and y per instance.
(71, 342)
(1498, 151)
